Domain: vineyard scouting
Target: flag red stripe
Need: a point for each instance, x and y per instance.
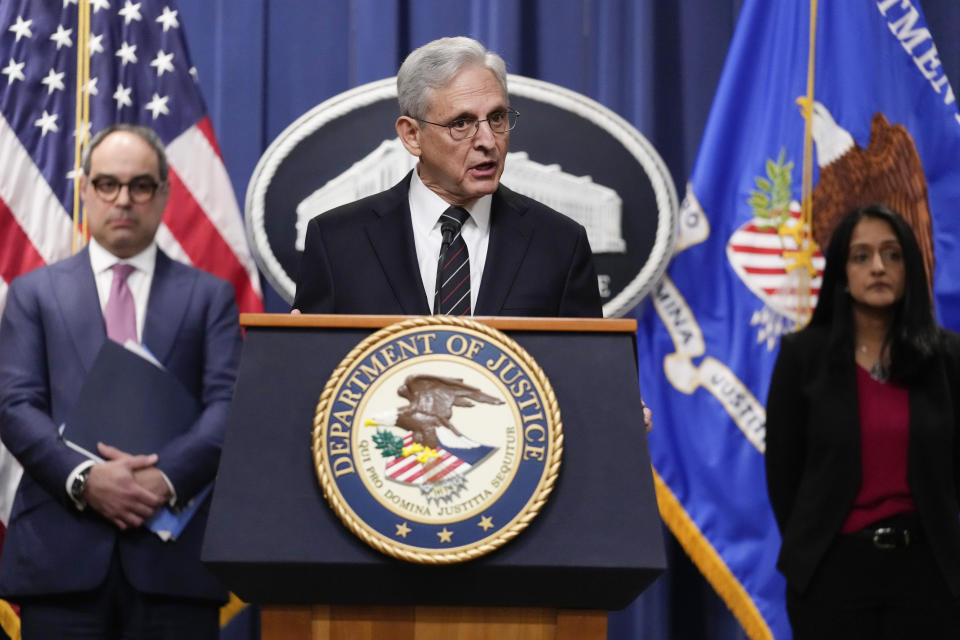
(445, 471)
(405, 466)
(415, 476)
(742, 248)
(815, 291)
(444, 456)
(765, 271)
(401, 465)
(206, 128)
(204, 244)
(17, 253)
(770, 231)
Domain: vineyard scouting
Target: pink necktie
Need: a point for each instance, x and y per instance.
(120, 314)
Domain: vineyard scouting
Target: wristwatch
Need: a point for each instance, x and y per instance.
(78, 484)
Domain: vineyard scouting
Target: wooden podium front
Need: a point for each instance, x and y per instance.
(325, 622)
(273, 539)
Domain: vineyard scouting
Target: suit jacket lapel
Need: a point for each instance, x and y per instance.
(170, 292)
(391, 221)
(847, 410)
(510, 235)
(835, 389)
(76, 293)
(929, 395)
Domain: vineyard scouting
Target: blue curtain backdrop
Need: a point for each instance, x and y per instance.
(263, 63)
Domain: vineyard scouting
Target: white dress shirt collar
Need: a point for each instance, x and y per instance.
(139, 281)
(101, 260)
(425, 209)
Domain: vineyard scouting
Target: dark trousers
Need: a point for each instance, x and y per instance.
(860, 591)
(117, 611)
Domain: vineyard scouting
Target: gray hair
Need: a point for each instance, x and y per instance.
(146, 134)
(435, 65)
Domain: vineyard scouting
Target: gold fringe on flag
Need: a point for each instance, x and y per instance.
(231, 609)
(9, 620)
(709, 562)
(701, 552)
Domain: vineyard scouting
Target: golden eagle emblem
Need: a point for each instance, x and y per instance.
(432, 399)
(888, 171)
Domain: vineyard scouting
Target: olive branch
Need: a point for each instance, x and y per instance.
(770, 202)
(389, 445)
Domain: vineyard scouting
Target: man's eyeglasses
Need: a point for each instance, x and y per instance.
(141, 189)
(463, 128)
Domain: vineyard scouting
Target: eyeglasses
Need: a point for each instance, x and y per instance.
(463, 128)
(141, 189)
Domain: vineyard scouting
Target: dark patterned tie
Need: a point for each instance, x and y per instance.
(453, 270)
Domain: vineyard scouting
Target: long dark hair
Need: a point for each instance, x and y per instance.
(912, 337)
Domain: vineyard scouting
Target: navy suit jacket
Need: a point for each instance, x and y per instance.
(50, 334)
(361, 258)
(813, 451)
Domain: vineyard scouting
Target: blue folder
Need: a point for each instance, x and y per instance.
(131, 403)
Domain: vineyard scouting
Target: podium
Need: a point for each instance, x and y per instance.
(273, 539)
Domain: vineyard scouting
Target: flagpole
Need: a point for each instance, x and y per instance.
(805, 249)
(81, 119)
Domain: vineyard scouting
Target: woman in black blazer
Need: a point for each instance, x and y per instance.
(863, 446)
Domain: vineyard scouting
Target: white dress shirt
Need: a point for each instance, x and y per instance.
(139, 280)
(425, 209)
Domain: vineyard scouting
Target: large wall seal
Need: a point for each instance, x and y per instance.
(569, 152)
(437, 440)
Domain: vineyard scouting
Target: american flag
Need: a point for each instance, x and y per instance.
(140, 72)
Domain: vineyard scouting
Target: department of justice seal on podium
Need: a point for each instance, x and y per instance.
(437, 440)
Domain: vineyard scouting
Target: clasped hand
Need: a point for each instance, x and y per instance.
(126, 489)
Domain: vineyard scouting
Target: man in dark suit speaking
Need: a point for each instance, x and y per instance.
(76, 556)
(499, 253)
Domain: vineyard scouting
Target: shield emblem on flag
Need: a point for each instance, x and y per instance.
(760, 255)
(410, 469)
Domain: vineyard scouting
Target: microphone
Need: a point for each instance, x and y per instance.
(447, 229)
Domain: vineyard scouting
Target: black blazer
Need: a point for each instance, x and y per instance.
(361, 258)
(813, 452)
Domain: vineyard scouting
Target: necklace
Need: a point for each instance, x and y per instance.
(879, 372)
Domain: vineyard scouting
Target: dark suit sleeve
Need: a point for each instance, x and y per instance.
(26, 427)
(190, 460)
(785, 443)
(314, 280)
(581, 294)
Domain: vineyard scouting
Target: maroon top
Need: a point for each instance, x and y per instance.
(884, 437)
